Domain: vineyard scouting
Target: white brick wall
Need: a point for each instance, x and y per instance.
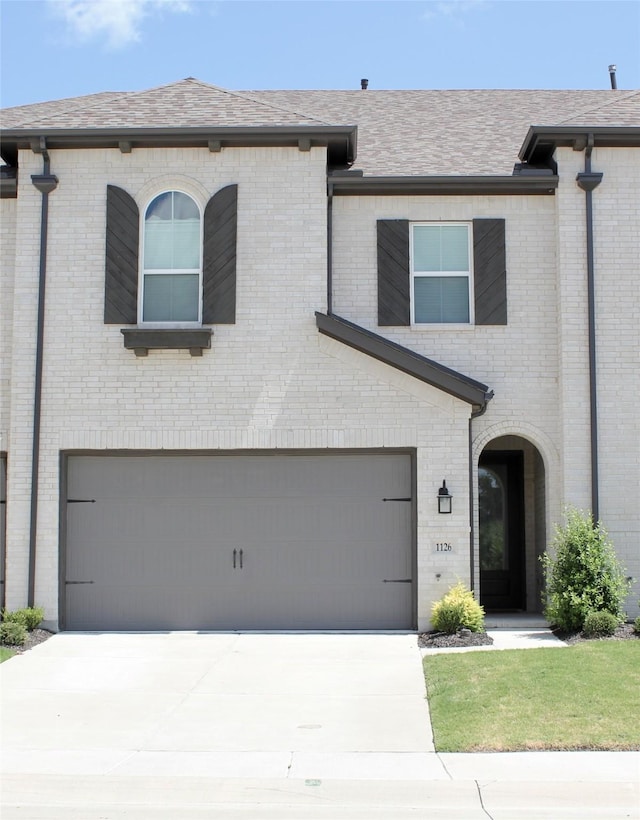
(271, 381)
(8, 209)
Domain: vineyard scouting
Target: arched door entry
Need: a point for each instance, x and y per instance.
(502, 538)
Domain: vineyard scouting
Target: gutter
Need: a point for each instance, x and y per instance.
(345, 184)
(542, 140)
(340, 140)
(588, 180)
(45, 183)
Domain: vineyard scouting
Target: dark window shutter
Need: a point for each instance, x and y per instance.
(394, 299)
(490, 272)
(219, 258)
(121, 265)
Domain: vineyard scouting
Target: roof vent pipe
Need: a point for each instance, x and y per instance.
(612, 75)
(364, 84)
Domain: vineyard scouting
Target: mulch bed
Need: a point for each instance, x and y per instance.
(461, 639)
(625, 632)
(34, 637)
(465, 639)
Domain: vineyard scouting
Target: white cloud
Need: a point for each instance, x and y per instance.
(119, 21)
(452, 9)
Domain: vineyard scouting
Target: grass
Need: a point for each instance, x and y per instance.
(584, 697)
(5, 654)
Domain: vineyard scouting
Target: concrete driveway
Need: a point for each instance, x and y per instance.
(284, 706)
(186, 726)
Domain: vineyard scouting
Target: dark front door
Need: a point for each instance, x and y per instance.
(501, 503)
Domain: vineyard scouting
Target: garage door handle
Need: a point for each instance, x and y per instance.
(241, 552)
(235, 552)
(79, 582)
(397, 581)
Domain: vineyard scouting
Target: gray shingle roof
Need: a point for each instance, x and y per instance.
(399, 132)
(455, 132)
(187, 103)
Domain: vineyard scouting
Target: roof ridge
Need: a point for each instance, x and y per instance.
(247, 95)
(238, 94)
(625, 95)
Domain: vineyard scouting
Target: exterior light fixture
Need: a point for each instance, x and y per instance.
(444, 499)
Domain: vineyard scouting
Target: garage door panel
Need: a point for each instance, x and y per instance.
(239, 542)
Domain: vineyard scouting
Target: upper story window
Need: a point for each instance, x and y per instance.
(441, 273)
(171, 261)
(437, 273)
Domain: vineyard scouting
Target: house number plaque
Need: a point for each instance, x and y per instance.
(444, 546)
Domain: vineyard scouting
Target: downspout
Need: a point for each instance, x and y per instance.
(588, 181)
(329, 248)
(45, 183)
(472, 564)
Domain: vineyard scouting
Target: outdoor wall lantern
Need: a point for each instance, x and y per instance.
(444, 499)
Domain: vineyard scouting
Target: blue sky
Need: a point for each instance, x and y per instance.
(52, 49)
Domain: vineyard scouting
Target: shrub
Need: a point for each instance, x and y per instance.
(13, 633)
(599, 625)
(585, 574)
(29, 616)
(457, 609)
(636, 625)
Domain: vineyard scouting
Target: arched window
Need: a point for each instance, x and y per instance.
(171, 261)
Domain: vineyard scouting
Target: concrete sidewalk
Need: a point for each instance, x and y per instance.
(518, 638)
(187, 726)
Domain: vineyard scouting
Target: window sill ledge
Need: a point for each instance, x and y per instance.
(141, 341)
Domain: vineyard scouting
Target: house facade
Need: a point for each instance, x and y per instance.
(303, 360)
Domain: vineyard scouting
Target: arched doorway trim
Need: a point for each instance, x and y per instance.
(548, 504)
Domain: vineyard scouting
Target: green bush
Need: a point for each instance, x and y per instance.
(599, 625)
(13, 633)
(585, 575)
(636, 625)
(30, 616)
(457, 609)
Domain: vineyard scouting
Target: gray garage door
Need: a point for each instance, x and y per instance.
(238, 542)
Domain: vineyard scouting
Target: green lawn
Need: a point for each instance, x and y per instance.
(5, 654)
(584, 697)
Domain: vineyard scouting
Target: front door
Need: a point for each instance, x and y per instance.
(501, 508)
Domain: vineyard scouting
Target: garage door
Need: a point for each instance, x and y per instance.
(230, 542)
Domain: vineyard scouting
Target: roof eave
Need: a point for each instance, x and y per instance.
(401, 358)
(340, 140)
(542, 140)
(346, 185)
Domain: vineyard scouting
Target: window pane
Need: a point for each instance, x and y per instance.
(440, 248)
(172, 245)
(172, 233)
(441, 299)
(171, 297)
(492, 509)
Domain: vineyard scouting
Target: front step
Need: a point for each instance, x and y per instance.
(515, 620)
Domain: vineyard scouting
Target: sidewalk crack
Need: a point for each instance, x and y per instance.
(444, 766)
(482, 806)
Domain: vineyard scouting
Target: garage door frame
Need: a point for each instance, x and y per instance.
(327, 452)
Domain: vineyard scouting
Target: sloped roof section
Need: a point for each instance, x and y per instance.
(187, 103)
(448, 133)
(620, 111)
(416, 133)
(402, 358)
